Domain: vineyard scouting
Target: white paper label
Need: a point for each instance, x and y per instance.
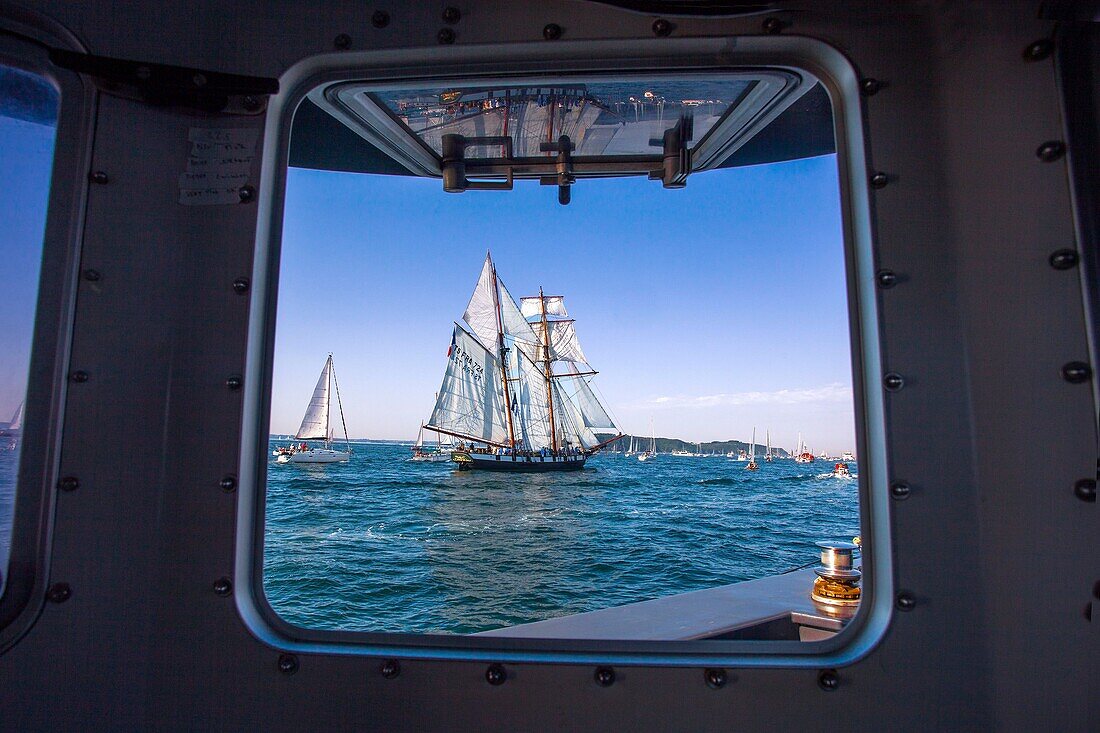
(218, 165)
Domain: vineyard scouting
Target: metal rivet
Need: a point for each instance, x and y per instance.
(288, 663)
(551, 31)
(59, 593)
(870, 87)
(605, 676)
(1064, 259)
(905, 601)
(380, 19)
(879, 180)
(92, 275)
(662, 28)
(69, 483)
(228, 483)
(234, 382)
(828, 680)
(1076, 372)
(1050, 151)
(496, 675)
(1085, 490)
(79, 376)
(451, 14)
(1038, 50)
(715, 678)
(893, 381)
(199, 80)
(886, 279)
(250, 103)
(100, 177)
(246, 193)
(223, 586)
(772, 25)
(240, 285)
(390, 669)
(342, 42)
(900, 490)
(446, 36)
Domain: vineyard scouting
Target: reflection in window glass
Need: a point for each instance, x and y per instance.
(28, 123)
(490, 410)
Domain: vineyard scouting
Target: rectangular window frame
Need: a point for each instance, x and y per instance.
(25, 44)
(469, 64)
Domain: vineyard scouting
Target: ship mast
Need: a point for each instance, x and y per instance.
(546, 367)
(503, 359)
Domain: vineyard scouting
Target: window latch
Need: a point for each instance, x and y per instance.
(454, 163)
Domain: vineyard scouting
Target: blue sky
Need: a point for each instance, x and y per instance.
(709, 309)
(26, 154)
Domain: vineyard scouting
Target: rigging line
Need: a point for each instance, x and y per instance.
(339, 404)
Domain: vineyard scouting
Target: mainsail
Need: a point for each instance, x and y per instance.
(470, 404)
(501, 388)
(315, 423)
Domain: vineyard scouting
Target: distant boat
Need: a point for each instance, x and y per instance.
(752, 466)
(681, 452)
(631, 451)
(422, 453)
(652, 452)
(501, 395)
(768, 457)
(803, 454)
(315, 425)
(14, 429)
(840, 470)
(848, 456)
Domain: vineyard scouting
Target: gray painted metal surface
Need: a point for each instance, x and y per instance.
(997, 551)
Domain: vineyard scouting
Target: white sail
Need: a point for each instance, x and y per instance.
(17, 419)
(563, 341)
(470, 404)
(572, 431)
(531, 415)
(481, 313)
(531, 307)
(315, 424)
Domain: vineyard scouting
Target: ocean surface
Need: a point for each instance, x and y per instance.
(382, 543)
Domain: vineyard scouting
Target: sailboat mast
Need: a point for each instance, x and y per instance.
(546, 371)
(503, 359)
(328, 404)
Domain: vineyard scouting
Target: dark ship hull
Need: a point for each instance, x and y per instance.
(467, 461)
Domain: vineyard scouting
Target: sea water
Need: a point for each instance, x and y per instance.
(382, 543)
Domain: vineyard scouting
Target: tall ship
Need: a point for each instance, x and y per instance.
(517, 390)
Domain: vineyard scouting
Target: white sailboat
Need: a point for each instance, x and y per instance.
(752, 466)
(422, 453)
(768, 457)
(14, 429)
(650, 454)
(315, 425)
(631, 451)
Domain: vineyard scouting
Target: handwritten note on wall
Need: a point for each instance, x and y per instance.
(218, 165)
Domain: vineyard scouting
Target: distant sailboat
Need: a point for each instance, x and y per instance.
(501, 394)
(652, 452)
(768, 457)
(315, 425)
(429, 454)
(14, 430)
(752, 466)
(803, 454)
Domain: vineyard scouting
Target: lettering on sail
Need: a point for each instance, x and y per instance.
(467, 363)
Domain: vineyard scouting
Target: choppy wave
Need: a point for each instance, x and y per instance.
(383, 544)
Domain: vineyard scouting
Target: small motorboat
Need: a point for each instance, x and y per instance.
(840, 470)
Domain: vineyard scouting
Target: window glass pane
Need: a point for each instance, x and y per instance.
(28, 123)
(490, 410)
(626, 118)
